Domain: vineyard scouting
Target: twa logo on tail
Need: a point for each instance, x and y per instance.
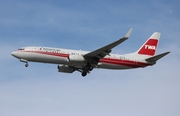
(150, 47)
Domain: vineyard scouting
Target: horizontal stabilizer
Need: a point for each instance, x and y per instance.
(157, 57)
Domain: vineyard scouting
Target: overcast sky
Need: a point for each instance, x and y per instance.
(40, 90)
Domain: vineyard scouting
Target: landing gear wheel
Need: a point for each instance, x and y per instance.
(84, 73)
(90, 68)
(26, 65)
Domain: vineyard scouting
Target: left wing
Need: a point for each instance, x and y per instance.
(102, 52)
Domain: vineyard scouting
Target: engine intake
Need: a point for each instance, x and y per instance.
(65, 69)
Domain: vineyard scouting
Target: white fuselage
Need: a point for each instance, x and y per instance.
(61, 56)
(69, 61)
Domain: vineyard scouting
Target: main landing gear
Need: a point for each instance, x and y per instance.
(84, 73)
(90, 68)
(86, 70)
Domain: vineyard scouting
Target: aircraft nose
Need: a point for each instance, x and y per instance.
(14, 53)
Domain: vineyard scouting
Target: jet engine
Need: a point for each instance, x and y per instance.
(76, 58)
(65, 69)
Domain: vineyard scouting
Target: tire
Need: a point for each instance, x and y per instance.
(84, 73)
(26, 65)
(90, 68)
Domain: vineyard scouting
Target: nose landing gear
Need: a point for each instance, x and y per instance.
(23, 60)
(26, 65)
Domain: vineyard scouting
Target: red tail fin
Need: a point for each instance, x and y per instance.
(150, 46)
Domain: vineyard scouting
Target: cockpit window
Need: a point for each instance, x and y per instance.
(21, 49)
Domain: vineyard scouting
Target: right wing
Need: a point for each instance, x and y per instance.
(102, 52)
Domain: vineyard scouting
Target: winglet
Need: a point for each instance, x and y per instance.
(128, 33)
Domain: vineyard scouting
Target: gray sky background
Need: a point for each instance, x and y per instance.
(40, 90)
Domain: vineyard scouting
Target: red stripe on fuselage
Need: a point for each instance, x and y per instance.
(129, 63)
(49, 53)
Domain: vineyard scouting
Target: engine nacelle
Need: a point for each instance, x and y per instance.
(65, 69)
(76, 58)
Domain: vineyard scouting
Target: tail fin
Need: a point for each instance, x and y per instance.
(150, 46)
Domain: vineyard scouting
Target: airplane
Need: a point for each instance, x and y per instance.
(69, 60)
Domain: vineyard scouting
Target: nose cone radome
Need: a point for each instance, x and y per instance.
(14, 53)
